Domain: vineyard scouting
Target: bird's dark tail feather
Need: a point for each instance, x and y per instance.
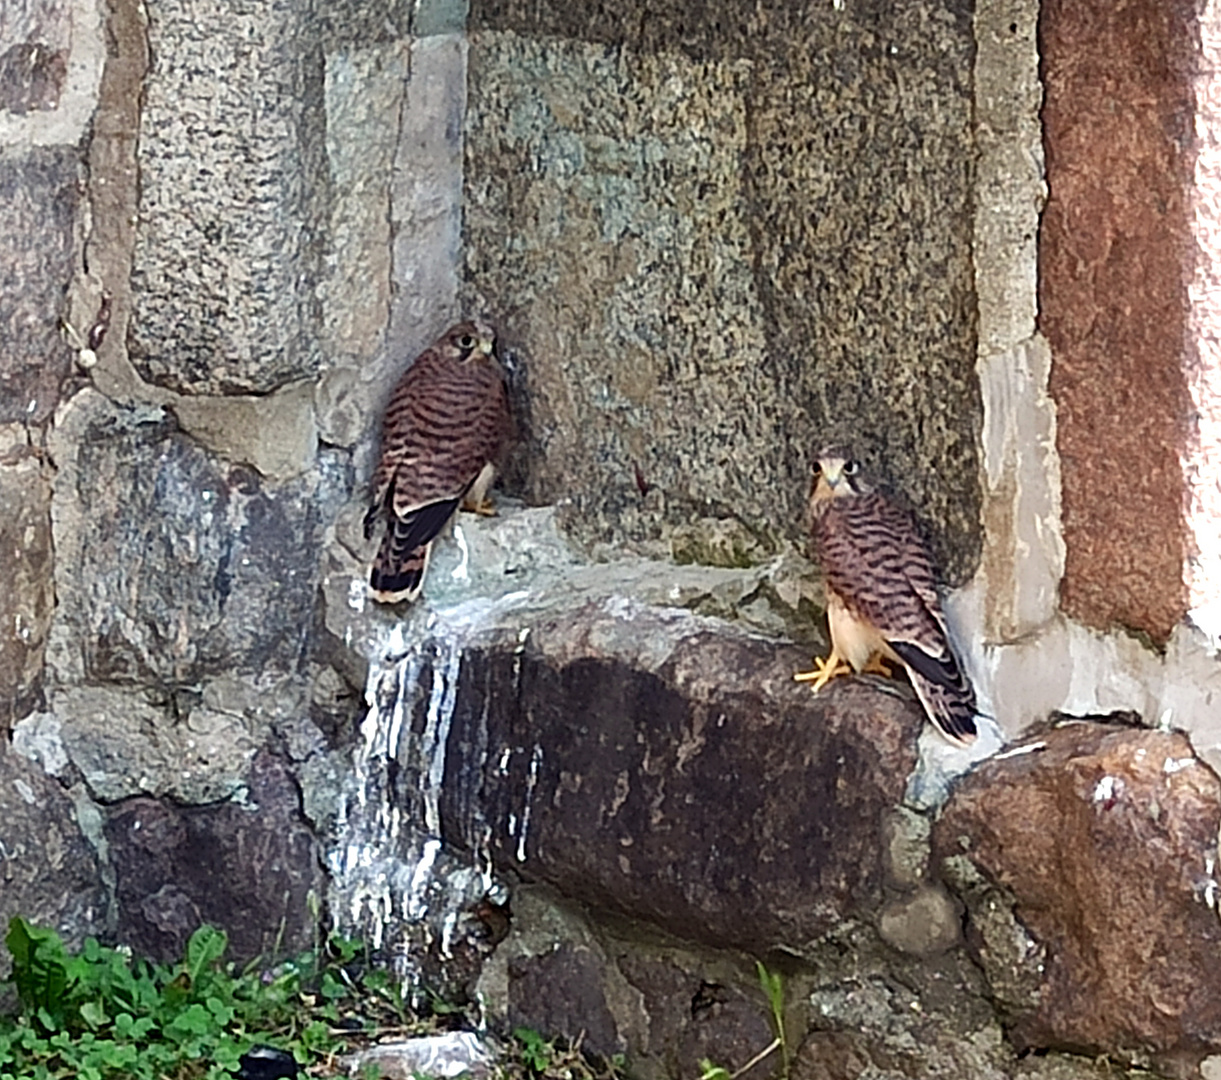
(402, 560)
(398, 571)
(949, 709)
(943, 690)
(393, 583)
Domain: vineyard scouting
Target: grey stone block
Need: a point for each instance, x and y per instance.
(248, 870)
(39, 192)
(174, 565)
(716, 241)
(232, 198)
(49, 872)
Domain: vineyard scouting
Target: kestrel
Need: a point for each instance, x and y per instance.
(444, 428)
(882, 600)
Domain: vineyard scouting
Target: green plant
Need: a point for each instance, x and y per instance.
(558, 1059)
(772, 984)
(102, 1014)
(535, 1051)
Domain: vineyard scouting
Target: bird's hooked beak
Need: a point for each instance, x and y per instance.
(832, 470)
(486, 337)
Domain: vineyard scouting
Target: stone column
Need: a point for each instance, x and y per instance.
(1116, 255)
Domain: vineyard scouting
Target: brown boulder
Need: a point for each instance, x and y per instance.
(1087, 865)
(667, 767)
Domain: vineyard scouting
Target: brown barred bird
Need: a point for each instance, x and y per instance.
(445, 426)
(882, 601)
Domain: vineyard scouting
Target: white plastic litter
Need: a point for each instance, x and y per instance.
(457, 1053)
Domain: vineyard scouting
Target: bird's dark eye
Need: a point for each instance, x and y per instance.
(851, 468)
(818, 468)
(466, 342)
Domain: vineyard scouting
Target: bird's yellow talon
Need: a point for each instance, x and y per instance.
(876, 666)
(484, 508)
(824, 671)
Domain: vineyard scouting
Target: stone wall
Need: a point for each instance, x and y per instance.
(206, 295)
(577, 778)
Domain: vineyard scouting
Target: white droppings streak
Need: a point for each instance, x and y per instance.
(462, 570)
(1173, 765)
(1018, 751)
(391, 876)
(416, 905)
(536, 759)
(436, 733)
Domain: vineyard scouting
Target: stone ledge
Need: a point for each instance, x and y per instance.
(666, 767)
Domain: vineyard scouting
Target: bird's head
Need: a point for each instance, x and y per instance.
(837, 474)
(471, 339)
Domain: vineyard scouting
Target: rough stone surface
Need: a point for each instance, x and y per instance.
(846, 1055)
(452, 1054)
(38, 190)
(427, 208)
(34, 40)
(695, 1008)
(27, 599)
(231, 154)
(1102, 843)
(247, 869)
(716, 239)
(51, 55)
(124, 745)
(274, 434)
(49, 873)
(923, 923)
(364, 91)
(561, 991)
(175, 566)
(1114, 243)
(646, 762)
(664, 1004)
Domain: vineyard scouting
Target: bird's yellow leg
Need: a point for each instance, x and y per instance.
(877, 666)
(484, 507)
(824, 670)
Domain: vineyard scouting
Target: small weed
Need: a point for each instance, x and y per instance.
(535, 1051)
(558, 1059)
(102, 1014)
(772, 984)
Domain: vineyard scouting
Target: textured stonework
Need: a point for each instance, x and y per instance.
(34, 41)
(715, 242)
(50, 871)
(27, 599)
(1087, 864)
(231, 130)
(51, 55)
(1202, 456)
(39, 191)
(174, 565)
(1114, 246)
(249, 868)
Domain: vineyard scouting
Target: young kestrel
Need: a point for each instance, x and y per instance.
(444, 428)
(882, 598)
